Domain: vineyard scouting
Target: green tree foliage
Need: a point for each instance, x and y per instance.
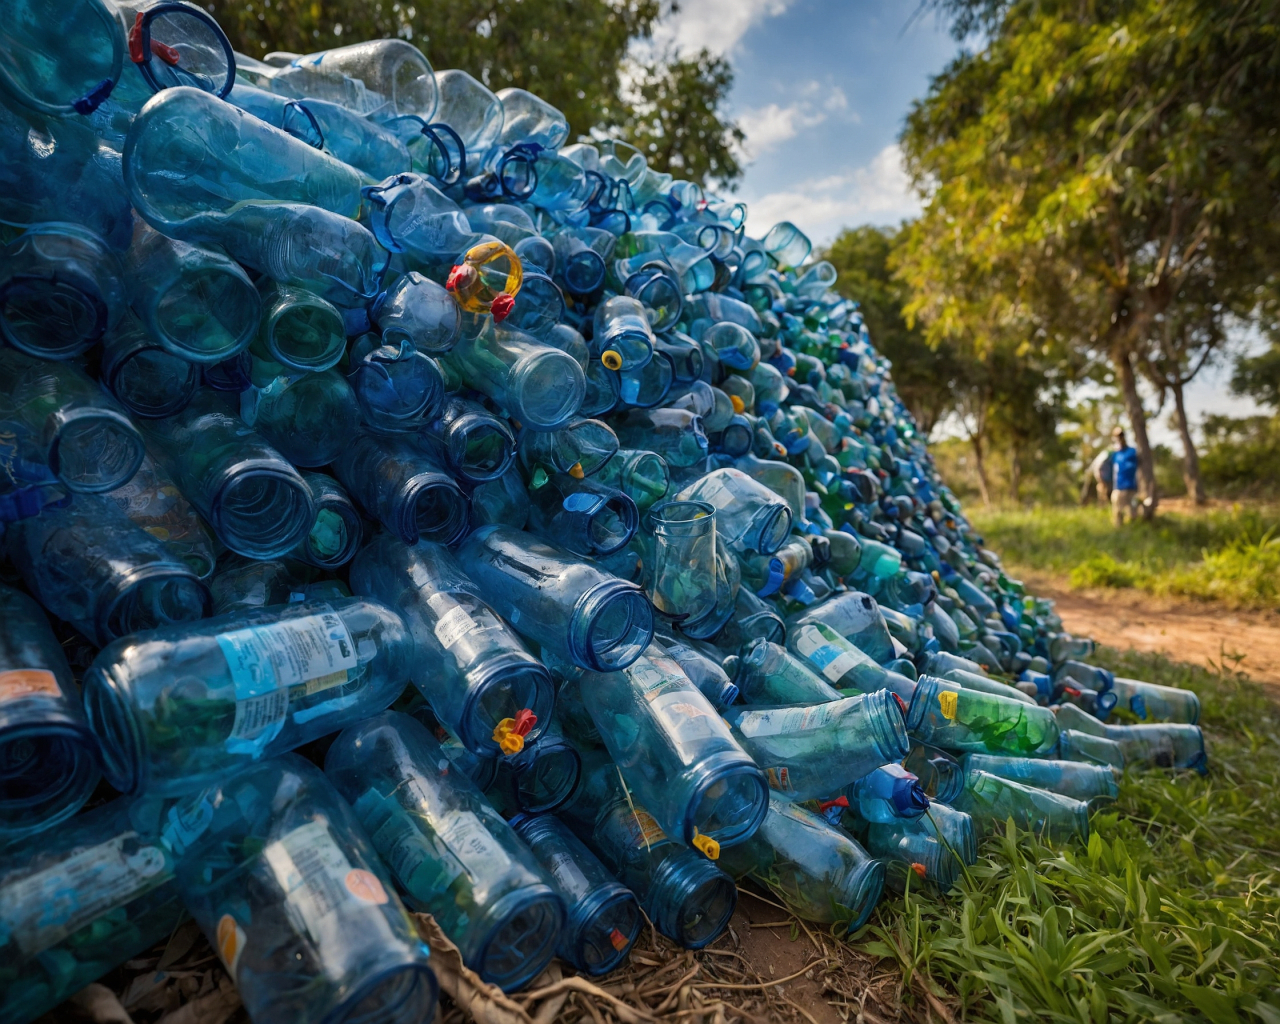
(1259, 377)
(572, 53)
(1092, 169)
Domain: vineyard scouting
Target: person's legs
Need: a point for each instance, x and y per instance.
(1121, 502)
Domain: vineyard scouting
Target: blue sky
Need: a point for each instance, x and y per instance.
(821, 89)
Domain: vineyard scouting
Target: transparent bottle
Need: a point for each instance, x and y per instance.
(60, 291)
(475, 444)
(417, 310)
(750, 517)
(991, 800)
(539, 779)
(309, 419)
(198, 303)
(580, 257)
(474, 672)
(68, 422)
(1152, 702)
(686, 896)
(683, 584)
(677, 435)
(736, 347)
(703, 671)
(79, 900)
(394, 78)
(398, 387)
(93, 567)
(146, 378)
(581, 449)
(566, 605)
(1088, 782)
(152, 502)
(409, 215)
(767, 673)
(941, 775)
(299, 330)
(947, 715)
(62, 57)
(49, 754)
(450, 852)
(676, 753)
(1161, 745)
(359, 141)
(472, 111)
(602, 918)
(538, 307)
(178, 708)
(404, 488)
(622, 338)
(641, 475)
(337, 531)
(827, 653)
(538, 385)
(821, 873)
(934, 848)
(256, 502)
(812, 751)
(286, 886)
(582, 516)
(1074, 745)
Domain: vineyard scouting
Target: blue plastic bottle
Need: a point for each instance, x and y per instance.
(449, 851)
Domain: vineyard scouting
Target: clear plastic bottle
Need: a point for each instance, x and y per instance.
(1088, 782)
(991, 800)
(1152, 702)
(642, 475)
(398, 387)
(404, 488)
(50, 756)
(812, 751)
(286, 886)
(93, 567)
(602, 918)
(581, 449)
(767, 673)
(310, 419)
(299, 330)
(178, 708)
(582, 516)
(256, 502)
(450, 852)
(474, 672)
(146, 378)
(417, 310)
(821, 873)
(682, 576)
(568, 606)
(750, 517)
(947, 715)
(676, 753)
(337, 532)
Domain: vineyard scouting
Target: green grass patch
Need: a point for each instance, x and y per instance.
(1231, 556)
(1171, 912)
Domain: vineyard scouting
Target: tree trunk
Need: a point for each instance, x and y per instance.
(1190, 458)
(983, 486)
(1015, 472)
(1138, 421)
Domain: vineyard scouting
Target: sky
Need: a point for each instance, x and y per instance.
(821, 88)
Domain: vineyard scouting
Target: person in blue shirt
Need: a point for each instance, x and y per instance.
(1124, 478)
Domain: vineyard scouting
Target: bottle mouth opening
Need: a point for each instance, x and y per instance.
(521, 939)
(52, 317)
(153, 382)
(611, 626)
(692, 900)
(602, 927)
(889, 721)
(262, 512)
(480, 448)
(50, 768)
(584, 272)
(549, 778)
(728, 801)
(683, 519)
(334, 536)
(771, 527)
(434, 509)
(151, 596)
(499, 688)
(306, 336)
(612, 524)
(862, 892)
(112, 719)
(95, 449)
(546, 389)
(634, 349)
(227, 309)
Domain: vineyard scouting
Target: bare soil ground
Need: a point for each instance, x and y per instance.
(1193, 632)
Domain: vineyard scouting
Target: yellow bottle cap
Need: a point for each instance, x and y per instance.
(709, 847)
(611, 359)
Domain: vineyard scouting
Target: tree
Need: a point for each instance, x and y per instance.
(572, 53)
(1091, 164)
(1259, 377)
(927, 376)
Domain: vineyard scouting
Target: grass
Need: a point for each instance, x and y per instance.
(1171, 912)
(1229, 556)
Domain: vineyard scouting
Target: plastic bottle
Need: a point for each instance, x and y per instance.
(844, 666)
(399, 484)
(676, 753)
(178, 708)
(256, 502)
(395, 78)
(582, 516)
(278, 871)
(60, 291)
(990, 800)
(622, 338)
(940, 775)
(949, 716)
(475, 673)
(418, 310)
(450, 852)
(50, 756)
(567, 606)
(676, 435)
(94, 568)
(641, 475)
(602, 918)
(889, 792)
(198, 303)
(750, 517)
(65, 421)
(77, 901)
(152, 502)
(145, 377)
(704, 672)
(310, 419)
(683, 570)
(1152, 702)
(857, 618)
(1087, 782)
(539, 779)
(581, 449)
(812, 751)
(766, 673)
(299, 330)
(398, 387)
(337, 532)
(821, 873)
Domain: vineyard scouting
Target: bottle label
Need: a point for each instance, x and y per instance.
(646, 675)
(687, 722)
(317, 878)
(779, 778)
(470, 840)
(453, 626)
(27, 682)
(41, 910)
(948, 701)
(643, 828)
(788, 721)
(274, 663)
(831, 660)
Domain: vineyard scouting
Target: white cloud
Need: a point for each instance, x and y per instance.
(765, 127)
(716, 24)
(878, 193)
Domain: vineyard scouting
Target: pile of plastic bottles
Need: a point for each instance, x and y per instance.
(438, 516)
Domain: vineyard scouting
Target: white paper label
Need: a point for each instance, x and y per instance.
(453, 626)
(785, 721)
(474, 845)
(311, 869)
(43, 909)
(646, 675)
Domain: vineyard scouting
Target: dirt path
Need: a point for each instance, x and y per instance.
(1190, 632)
